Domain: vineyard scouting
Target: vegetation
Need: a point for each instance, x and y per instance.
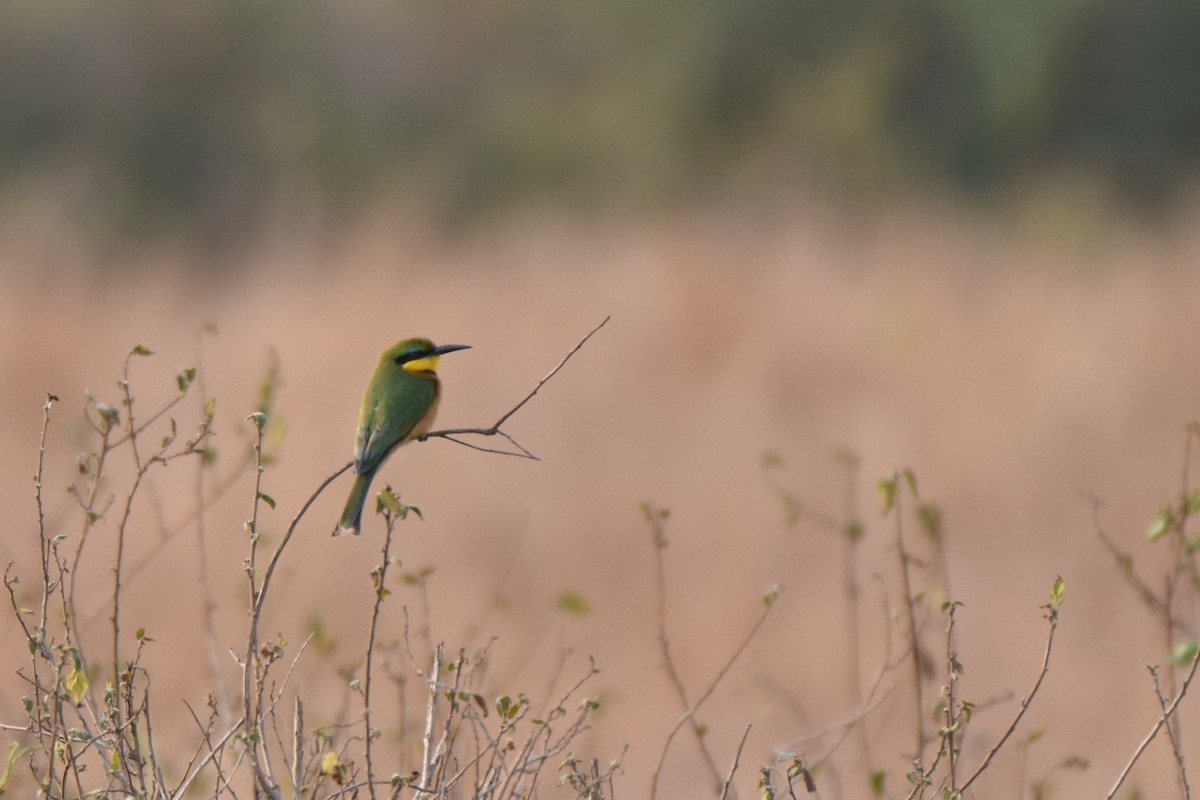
(150, 120)
(93, 718)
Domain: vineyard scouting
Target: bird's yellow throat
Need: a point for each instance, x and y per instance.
(426, 364)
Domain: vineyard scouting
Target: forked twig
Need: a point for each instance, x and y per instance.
(1163, 719)
(495, 429)
(687, 716)
(657, 517)
(1175, 743)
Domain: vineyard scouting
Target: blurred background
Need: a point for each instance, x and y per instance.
(941, 235)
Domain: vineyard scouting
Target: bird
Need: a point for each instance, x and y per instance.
(398, 406)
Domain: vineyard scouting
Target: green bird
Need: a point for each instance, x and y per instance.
(399, 405)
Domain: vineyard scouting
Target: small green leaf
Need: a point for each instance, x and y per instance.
(210, 408)
(572, 603)
(930, 517)
(878, 782)
(1161, 524)
(910, 478)
(259, 419)
(771, 594)
(266, 498)
(140, 634)
(855, 531)
(141, 350)
(1058, 592)
(886, 489)
(772, 459)
(77, 682)
(185, 377)
(1184, 653)
(387, 500)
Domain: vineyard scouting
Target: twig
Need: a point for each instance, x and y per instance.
(737, 757)
(866, 705)
(1175, 744)
(140, 472)
(658, 522)
(687, 715)
(1124, 563)
(378, 578)
(298, 746)
(428, 757)
(911, 619)
(953, 717)
(250, 713)
(213, 751)
(1025, 701)
(51, 399)
(494, 429)
(46, 551)
(1162, 720)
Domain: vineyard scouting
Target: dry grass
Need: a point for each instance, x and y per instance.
(1009, 375)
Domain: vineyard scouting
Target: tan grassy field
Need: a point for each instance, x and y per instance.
(1010, 374)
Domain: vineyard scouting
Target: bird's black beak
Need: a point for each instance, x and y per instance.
(442, 349)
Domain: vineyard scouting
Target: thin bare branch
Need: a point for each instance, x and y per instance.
(687, 715)
(737, 757)
(1167, 713)
(1175, 743)
(495, 428)
(1052, 616)
(658, 527)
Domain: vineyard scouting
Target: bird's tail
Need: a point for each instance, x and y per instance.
(352, 514)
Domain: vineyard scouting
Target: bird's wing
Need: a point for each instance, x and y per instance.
(383, 425)
(375, 438)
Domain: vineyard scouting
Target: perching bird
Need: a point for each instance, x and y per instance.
(398, 406)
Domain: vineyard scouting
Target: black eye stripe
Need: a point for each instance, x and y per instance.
(411, 355)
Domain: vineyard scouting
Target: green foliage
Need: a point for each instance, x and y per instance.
(572, 603)
(388, 502)
(15, 753)
(1185, 652)
(88, 717)
(1161, 526)
(1058, 592)
(557, 103)
(76, 682)
(930, 518)
(886, 489)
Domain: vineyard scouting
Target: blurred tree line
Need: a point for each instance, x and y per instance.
(200, 120)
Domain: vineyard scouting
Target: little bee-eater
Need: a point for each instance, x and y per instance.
(398, 406)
